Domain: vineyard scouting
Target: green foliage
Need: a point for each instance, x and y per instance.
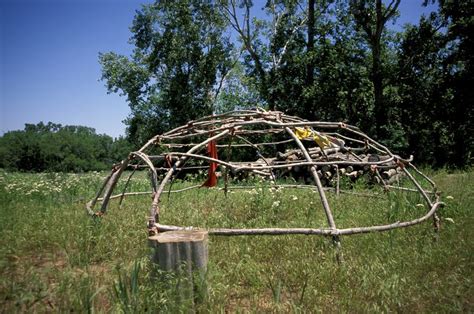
(239, 91)
(52, 147)
(319, 59)
(181, 55)
(458, 17)
(435, 70)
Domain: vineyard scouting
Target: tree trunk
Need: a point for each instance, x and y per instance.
(377, 77)
(184, 253)
(310, 44)
(381, 117)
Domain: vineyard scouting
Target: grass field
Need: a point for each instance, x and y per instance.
(55, 258)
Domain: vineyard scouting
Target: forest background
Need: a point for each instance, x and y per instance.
(329, 60)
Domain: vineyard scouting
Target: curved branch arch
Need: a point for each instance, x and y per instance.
(347, 152)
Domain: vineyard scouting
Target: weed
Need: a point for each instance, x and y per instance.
(54, 258)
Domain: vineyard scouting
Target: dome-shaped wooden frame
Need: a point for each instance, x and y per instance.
(333, 150)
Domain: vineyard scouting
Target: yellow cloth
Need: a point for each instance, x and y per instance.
(321, 140)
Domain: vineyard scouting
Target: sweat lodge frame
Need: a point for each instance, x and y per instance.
(326, 151)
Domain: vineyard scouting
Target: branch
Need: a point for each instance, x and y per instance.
(391, 10)
(293, 32)
(224, 77)
(362, 18)
(244, 33)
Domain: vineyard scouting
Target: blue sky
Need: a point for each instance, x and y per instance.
(49, 68)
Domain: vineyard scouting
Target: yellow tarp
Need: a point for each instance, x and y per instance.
(321, 140)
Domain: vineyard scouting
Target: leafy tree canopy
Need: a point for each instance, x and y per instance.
(53, 147)
(181, 54)
(320, 59)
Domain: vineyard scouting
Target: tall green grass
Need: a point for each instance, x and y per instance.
(53, 257)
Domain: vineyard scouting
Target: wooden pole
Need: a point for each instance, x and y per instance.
(112, 183)
(154, 211)
(308, 231)
(322, 195)
(327, 210)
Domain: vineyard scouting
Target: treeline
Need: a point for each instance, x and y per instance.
(53, 147)
(333, 60)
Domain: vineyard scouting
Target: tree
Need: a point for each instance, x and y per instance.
(310, 42)
(238, 91)
(458, 16)
(181, 55)
(267, 42)
(421, 89)
(435, 75)
(53, 147)
(371, 17)
(320, 59)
